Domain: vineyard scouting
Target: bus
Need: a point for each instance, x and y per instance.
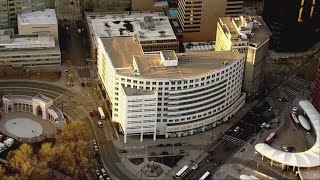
(270, 138)
(205, 176)
(182, 172)
(102, 116)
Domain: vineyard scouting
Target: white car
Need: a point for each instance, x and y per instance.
(101, 177)
(104, 173)
(95, 147)
(99, 124)
(285, 148)
(94, 142)
(195, 166)
(236, 129)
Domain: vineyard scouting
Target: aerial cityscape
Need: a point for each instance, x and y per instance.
(160, 89)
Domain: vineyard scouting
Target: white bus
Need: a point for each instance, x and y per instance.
(205, 176)
(102, 116)
(181, 172)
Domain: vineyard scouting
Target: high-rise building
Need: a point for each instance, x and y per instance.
(198, 18)
(10, 8)
(316, 90)
(248, 35)
(149, 5)
(294, 24)
(68, 9)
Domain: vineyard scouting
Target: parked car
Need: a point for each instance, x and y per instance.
(122, 151)
(94, 142)
(101, 177)
(178, 144)
(99, 124)
(98, 173)
(164, 153)
(95, 147)
(236, 129)
(104, 173)
(91, 114)
(211, 159)
(152, 154)
(160, 145)
(285, 148)
(181, 151)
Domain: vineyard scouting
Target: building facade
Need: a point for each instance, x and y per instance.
(248, 35)
(294, 24)
(107, 5)
(69, 9)
(138, 112)
(194, 91)
(198, 18)
(152, 30)
(316, 90)
(40, 52)
(11, 8)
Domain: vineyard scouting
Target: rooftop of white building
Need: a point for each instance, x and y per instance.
(42, 40)
(45, 16)
(137, 92)
(146, 26)
(122, 51)
(246, 28)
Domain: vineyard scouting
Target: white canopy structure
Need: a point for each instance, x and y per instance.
(304, 123)
(309, 158)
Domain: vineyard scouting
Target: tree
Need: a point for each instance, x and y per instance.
(21, 160)
(74, 131)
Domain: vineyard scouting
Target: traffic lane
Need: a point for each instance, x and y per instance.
(26, 83)
(221, 154)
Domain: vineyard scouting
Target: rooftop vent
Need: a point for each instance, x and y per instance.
(149, 22)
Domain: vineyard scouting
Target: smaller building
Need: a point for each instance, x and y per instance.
(199, 46)
(152, 30)
(38, 21)
(138, 112)
(30, 51)
(248, 35)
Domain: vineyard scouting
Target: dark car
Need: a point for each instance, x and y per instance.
(152, 154)
(178, 144)
(164, 153)
(160, 145)
(82, 84)
(91, 114)
(122, 151)
(167, 145)
(211, 159)
(181, 151)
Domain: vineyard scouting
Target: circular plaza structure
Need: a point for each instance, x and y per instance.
(30, 118)
(24, 127)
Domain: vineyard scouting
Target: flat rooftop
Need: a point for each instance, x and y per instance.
(121, 50)
(189, 64)
(45, 16)
(260, 34)
(28, 42)
(199, 46)
(146, 26)
(137, 92)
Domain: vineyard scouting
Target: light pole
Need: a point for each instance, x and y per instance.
(257, 166)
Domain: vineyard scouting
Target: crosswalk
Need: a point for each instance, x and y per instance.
(233, 140)
(63, 97)
(299, 82)
(272, 104)
(82, 67)
(84, 79)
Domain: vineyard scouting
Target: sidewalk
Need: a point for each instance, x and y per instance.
(310, 52)
(195, 152)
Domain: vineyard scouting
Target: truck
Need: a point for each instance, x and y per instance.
(101, 113)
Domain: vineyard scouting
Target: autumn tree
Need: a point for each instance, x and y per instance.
(74, 131)
(21, 160)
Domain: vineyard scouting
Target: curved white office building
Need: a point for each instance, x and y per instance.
(166, 93)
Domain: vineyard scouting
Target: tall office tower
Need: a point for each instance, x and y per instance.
(198, 18)
(107, 5)
(10, 8)
(316, 90)
(249, 35)
(294, 24)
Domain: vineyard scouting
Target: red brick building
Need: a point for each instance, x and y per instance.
(316, 90)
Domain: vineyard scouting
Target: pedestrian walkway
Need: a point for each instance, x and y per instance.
(233, 140)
